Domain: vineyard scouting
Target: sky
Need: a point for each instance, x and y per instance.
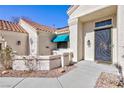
(50, 15)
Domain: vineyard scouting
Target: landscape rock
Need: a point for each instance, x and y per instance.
(5, 72)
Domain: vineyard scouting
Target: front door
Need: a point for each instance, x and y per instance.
(103, 45)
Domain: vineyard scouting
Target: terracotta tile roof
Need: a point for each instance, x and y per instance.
(62, 30)
(9, 26)
(39, 27)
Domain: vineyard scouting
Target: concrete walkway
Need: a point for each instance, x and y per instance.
(83, 76)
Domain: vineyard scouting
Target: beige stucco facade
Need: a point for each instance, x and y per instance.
(32, 42)
(44, 43)
(39, 41)
(11, 39)
(82, 21)
(32, 39)
(120, 34)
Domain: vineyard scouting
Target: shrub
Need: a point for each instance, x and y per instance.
(31, 63)
(6, 56)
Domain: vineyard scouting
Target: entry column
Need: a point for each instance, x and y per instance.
(120, 34)
(76, 44)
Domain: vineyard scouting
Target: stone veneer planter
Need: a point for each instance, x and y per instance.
(41, 62)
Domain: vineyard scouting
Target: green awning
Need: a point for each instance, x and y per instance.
(61, 38)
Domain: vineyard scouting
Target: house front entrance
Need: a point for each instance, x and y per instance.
(103, 45)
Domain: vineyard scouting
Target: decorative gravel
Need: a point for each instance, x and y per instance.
(52, 73)
(107, 80)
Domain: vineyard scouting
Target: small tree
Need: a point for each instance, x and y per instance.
(6, 57)
(121, 79)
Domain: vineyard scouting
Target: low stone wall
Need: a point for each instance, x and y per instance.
(66, 56)
(65, 59)
(37, 63)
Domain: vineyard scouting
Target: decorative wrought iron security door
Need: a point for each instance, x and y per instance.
(103, 45)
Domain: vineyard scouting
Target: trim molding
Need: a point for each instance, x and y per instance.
(73, 21)
(72, 9)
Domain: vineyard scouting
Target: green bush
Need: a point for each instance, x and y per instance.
(6, 57)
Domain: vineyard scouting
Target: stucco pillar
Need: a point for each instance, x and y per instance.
(76, 38)
(120, 34)
(32, 36)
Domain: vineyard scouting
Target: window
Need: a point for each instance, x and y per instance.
(62, 45)
(18, 42)
(103, 23)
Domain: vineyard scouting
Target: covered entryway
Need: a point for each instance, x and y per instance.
(93, 34)
(103, 45)
(99, 35)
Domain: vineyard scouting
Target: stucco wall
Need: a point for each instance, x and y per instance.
(45, 46)
(89, 35)
(85, 9)
(76, 39)
(42, 44)
(73, 27)
(120, 25)
(13, 37)
(32, 33)
(80, 41)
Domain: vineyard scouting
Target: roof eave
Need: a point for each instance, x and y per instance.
(72, 9)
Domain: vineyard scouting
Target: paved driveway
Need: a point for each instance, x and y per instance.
(83, 76)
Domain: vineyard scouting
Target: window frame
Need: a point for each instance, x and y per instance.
(103, 23)
(105, 26)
